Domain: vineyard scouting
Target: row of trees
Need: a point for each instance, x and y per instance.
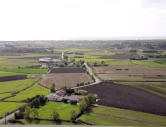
(30, 108)
(88, 100)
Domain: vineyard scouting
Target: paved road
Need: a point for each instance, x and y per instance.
(97, 80)
(62, 55)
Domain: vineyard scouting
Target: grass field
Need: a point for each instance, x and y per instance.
(25, 70)
(11, 86)
(150, 62)
(92, 60)
(29, 93)
(8, 107)
(4, 95)
(6, 63)
(2, 73)
(102, 115)
(119, 62)
(44, 122)
(63, 109)
(105, 53)
(158, 88)
(161, 61)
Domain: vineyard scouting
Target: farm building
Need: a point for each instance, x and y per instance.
(74, 98)
(60, 95)
(48, 60)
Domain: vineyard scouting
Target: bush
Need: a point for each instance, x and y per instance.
(73, 115)
(73, 102)
(69, 91)
(55, 115)
(52, 88)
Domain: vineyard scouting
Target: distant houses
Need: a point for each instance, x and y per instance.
(61, 95)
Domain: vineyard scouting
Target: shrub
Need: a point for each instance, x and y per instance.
(55, 115)
(73, 115)
(52, 87)
(73, 102)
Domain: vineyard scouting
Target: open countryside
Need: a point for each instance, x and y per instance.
(82, 83)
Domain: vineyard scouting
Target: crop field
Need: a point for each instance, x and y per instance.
(102, 115)
(127, 97)
(8, 107)
(131, 73)
(158, 88)
(12, 86)
(25, 70)
(29, 93)
(63, 79)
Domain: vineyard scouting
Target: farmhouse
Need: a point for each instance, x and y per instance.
(61, 95)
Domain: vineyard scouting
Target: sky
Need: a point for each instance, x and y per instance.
(81, 19)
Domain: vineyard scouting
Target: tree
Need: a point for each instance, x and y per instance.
(27, 112)
(35, 113)
(52, 88)
(55, 115)
(95, 64)
(102, 62)
(73, 115)
(86, 99)
(69, 91)
(91, 98)
(82, 106)
(65, 57)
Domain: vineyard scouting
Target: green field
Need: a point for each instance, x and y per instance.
(119, 62)
(91, 60)
(44, 122)
(161, 61)
(6, 63)
(102, 115)
(2, 73)
(105, 53)
(8, 107)
(4, 95)
(63, 109)
(158, 88)
(29, 93)
(150, 62)
(11, 86)
(25, 70)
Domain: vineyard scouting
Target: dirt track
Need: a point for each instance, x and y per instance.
(10, 78)
(127, 97)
